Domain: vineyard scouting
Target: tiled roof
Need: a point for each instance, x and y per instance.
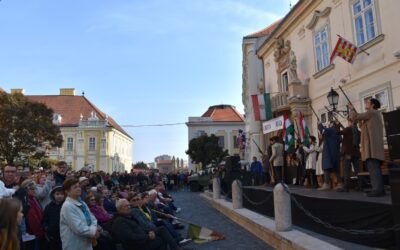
(223, 113)
(164, 162)
(2, 90)
(265, 31)
(71, 107)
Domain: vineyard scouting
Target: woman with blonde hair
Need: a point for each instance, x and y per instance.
(11, 216)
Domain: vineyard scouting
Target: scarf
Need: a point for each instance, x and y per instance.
(86, 212)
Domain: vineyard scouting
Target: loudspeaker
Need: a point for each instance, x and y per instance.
(392, 122)
(394, 146)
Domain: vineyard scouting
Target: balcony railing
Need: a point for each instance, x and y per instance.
(279, 101)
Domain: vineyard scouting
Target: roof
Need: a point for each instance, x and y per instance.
(264, 32)
(2, 90)
(223, 113)
(71, 107)
(165, 162)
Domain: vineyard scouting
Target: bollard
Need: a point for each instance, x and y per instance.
(216, 188)
(237, 198)
(282, 208)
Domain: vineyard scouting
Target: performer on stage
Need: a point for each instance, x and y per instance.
(372, 151)
(311, 162)
(277, 159)
(330, 155)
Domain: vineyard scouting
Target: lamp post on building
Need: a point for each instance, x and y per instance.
(333, 99)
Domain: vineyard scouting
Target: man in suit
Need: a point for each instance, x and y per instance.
(277, 158)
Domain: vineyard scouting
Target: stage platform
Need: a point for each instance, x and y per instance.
(349, 210)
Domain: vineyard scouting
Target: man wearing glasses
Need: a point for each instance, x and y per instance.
(59, 174)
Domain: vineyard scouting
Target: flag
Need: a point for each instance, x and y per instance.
(304, 131)
(345, 50)
(262, 107)
(288, 134)
(201, 234)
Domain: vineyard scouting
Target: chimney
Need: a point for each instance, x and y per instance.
(17, 91)
(67, 91)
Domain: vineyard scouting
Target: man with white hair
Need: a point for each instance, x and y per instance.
(128, 232)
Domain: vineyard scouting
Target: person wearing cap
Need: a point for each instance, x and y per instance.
(372, 151)
(51, 218)
(83, 182)
(60, 173)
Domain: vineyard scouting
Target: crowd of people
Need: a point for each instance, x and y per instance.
(63, 209)
(360, 140)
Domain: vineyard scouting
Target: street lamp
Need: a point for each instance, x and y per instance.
(333, 99)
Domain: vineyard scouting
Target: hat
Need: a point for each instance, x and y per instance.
(55, 189)
(83, 178)
(93, 189)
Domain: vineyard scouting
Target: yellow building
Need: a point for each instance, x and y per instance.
(295, 57)
(91, 138)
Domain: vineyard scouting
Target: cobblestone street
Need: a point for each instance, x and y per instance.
(198, 211)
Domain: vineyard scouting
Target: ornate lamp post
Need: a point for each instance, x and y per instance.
(333, 99)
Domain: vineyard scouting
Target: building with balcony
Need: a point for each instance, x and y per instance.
(224, 121)
(297, 69)
(91, 137)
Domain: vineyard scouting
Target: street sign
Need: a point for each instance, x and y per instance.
(273, 125)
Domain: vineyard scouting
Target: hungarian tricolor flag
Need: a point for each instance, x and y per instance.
(201, 234)
(288, 134)
(304, 131)
(345, 50)
(262, 107)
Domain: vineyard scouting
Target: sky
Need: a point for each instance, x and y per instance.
(140, 61)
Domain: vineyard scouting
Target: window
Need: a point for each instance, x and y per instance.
(92, 143)
(235, 142)
(321, 49)
(70, 144)
(382, 96)
(364, 18)
(326, 117)
(284, 82)
(221, 141)
(200, 133)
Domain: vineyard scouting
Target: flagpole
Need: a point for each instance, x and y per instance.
(314, 112)
(348, 100)
(357, 46)
(336, 117)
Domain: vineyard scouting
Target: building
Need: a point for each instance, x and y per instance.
(253, 84)
(297, 70)
(224, 121)
(91, 137)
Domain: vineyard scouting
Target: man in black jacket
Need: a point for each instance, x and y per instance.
(128, 232)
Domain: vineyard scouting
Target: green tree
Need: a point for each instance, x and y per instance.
(26, 129)
(140, 165)
(206, 150)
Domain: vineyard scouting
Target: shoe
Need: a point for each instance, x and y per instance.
(184, 242)
(324, 187)
(375, 194)
(178, 210)
(339, 187)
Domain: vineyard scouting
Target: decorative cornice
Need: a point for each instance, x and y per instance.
(317, 15)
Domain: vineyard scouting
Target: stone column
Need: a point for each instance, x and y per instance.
(282, 209)
(216, 188)
(237, 198)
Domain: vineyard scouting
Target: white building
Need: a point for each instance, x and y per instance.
(224, 121)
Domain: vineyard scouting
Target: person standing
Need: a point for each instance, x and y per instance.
(351, 152)
(10, 176)
(11, 217)
(311, 161)
(51, 218)
(330, 155)
(277, 158)
(256, 171)
(78, 227)
(372, 151)
(60, 173)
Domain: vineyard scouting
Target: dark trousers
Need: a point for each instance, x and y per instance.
(163, 233)
(311, 177)
(278, 173)
(347, 171)
(375, 173)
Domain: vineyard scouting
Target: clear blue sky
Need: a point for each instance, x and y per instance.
(140, 61)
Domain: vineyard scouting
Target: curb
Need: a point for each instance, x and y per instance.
(264, 228)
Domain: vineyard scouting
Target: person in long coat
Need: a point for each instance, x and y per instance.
(78, 227)
(330, 155)
(311, 162)
(372, 151)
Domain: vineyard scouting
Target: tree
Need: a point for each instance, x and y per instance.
(140, 165)
(205, 150)
(26, 129)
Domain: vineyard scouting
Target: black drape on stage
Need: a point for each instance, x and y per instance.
(349, 214)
